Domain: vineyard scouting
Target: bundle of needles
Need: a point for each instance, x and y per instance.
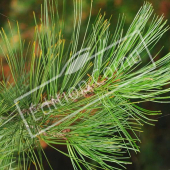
(82, 93)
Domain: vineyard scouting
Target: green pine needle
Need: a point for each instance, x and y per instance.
(98, 91)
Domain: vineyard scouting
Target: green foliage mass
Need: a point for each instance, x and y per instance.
(103, 115)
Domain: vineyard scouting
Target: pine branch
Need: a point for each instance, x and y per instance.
(96, 114)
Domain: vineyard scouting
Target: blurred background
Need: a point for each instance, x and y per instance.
(155, 146)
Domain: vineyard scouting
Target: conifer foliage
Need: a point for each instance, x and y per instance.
(82, 93)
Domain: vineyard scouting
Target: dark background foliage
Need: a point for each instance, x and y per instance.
(155, 146)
